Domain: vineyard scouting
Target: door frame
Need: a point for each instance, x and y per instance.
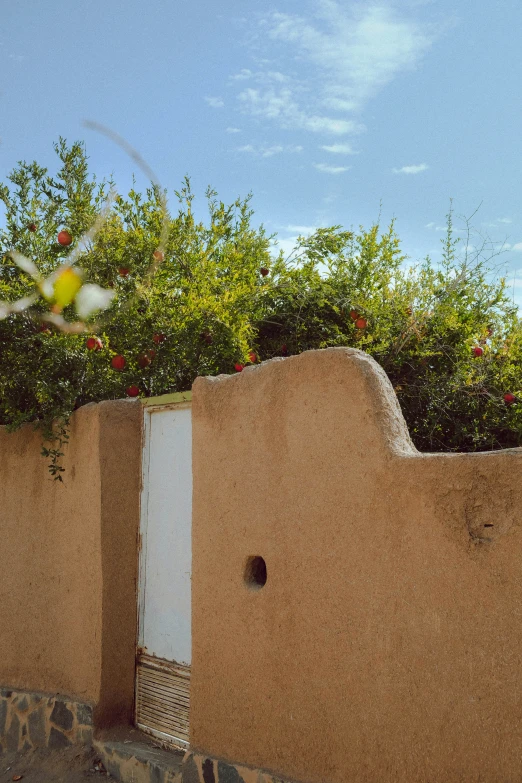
(151, 405)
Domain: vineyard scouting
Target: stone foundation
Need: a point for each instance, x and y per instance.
(36, 720)
(144, 762)
(198, 768)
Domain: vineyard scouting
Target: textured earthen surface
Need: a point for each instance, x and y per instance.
(386, 643)
(69, 560)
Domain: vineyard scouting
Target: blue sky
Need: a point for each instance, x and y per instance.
(324, 109)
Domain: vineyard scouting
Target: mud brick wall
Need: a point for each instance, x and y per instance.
(69, 561)
(384, 640)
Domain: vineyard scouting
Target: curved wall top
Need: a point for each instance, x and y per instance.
(386, 642)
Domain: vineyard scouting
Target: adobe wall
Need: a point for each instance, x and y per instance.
(68, 574)
(387, 641)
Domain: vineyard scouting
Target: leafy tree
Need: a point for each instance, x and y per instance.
(215, 295)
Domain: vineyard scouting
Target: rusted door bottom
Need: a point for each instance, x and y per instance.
(163, 700)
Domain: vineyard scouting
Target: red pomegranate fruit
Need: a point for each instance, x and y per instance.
(118, 362)
(94, 344)
(64, 238)
(144, 360)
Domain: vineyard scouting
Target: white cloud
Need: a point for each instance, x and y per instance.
(349, 53)
(429, 225)
(504, 220)
(411, 169)
(339, 149)
(359, 49)
(325, 168)
(286, 245)
(517, 247)
(277, 76)
(233, 130)
(300, 230)
(267, 151)
(244, 73)
(216, 103)
(280, 104)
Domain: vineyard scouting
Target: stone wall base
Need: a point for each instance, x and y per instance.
(198, 768)
(37, 720)
(145, 762)
(31, 720)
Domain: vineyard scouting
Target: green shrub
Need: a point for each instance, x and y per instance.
(209, 305)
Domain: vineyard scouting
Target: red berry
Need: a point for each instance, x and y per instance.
(144, 360)
(478, 351)
(44, 328)
(252, 356)
(158, 255)
(123, 271)
(32, 226)
(284, 349)
(151, 353)
(64, 238)
(133, 391)
(354, 315)
(264, 271)
(509, 398)
(158, 338)
(118, 362)
(361, 323)
(238, 367)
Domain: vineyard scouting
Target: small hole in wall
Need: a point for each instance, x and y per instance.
(255, 572)
(489, 524)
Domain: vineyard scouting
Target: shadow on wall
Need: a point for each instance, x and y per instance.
(356, 604)
(68, 580)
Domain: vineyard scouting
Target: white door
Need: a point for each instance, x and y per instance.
(164, 636)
